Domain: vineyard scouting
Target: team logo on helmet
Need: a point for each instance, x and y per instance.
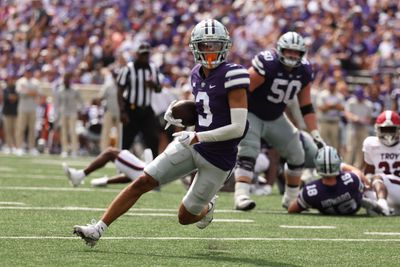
(210, 43)
(291, 41)
(327, 161)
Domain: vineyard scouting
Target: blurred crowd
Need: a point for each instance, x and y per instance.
(353, 45)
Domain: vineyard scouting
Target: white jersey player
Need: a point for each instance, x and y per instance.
(382, 158)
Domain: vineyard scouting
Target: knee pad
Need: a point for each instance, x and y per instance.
(129, 164)
(293, 170)
(245, 167)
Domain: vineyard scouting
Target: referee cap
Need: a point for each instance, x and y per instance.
(144, 47)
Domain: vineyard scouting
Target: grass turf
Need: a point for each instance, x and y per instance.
(38, 209)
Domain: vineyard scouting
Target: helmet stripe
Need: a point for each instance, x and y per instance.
(388, 115)
(327, 160)
(206, 27)
(212, 27)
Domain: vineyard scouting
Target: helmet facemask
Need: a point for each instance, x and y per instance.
(290, 61)
(387, 127)
(388, 135)
(291, 41)
(210, 43)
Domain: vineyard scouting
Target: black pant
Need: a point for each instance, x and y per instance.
(141, 120)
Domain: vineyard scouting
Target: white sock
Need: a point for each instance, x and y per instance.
(242, 189)
(291, 192)
(101, 226)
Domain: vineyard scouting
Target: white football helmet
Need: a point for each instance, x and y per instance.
(387, 127)
(291, 41)
(327, 161)
(210, 43)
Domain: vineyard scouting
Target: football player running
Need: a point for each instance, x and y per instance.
(338, 192)
(382, 162)
(220, 93)
(276, 78)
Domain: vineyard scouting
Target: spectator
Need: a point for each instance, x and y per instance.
(358, 112)
(69, 102)
(330, 104)
(10, 104)
(29, 90)
(110, 125)
(64, 36)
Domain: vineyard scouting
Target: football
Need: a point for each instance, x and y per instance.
(186, 111)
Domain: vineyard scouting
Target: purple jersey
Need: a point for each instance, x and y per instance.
(343, 198)
(211, 96)
(269, 100)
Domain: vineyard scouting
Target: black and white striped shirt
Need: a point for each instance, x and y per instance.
(133, 79)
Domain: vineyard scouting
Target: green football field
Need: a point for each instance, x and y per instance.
(38, 209)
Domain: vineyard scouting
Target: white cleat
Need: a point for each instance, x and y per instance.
(261, 190)
(244, 203)
(99, 182)
(286, 200)
(73, 176)
(89, 233)
(383, 207)
(203, 223)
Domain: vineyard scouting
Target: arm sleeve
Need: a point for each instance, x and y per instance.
(230, 131)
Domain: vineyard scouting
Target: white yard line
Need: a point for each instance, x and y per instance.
(308, 226)
(56, 189)
(382, 233)
(12, 203)
(136, 212)
(208, 238)
(7, 169)
(233, 220)
(37, 176)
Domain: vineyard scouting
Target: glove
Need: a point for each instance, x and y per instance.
(317, 139)
(170, 119)
(185, 137)
(384, 207)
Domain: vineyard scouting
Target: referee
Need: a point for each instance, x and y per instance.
(136, 83)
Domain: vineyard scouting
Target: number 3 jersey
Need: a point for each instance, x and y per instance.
(343, 198)
(212, 106)
(269, 100)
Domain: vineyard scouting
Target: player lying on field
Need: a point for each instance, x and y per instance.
(382, 161)
(127, 163)
(340, 191)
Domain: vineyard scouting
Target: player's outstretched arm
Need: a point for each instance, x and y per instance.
(294, 207)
